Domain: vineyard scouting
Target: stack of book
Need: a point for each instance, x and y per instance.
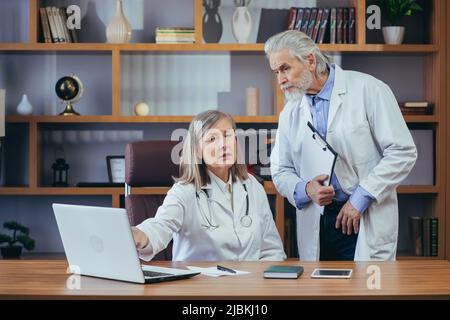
(54, 26)
(415, 108)
(322, 25)
(175, 35)
(424, 236)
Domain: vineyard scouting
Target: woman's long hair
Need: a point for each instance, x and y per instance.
(192, 167)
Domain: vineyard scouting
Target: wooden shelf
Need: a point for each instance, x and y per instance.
(421, 119)
(129, 47)
(268, 186)
(17, 191)
(58, 191)
(167, 119)
(79, 191)
(407, 256)
(216, 47)
(96, 119)
(56, 47)
(259, 47)
(371, 48)
(127, 119)
(417, 189)
(148, 191)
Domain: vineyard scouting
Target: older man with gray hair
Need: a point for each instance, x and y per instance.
(360, 118)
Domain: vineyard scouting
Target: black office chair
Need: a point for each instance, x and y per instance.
(148, 164)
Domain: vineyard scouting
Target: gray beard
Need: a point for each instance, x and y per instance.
(300, 88)
(296, 95)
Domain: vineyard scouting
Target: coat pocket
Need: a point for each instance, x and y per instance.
(361, 148)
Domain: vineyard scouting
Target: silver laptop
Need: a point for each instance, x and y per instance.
(98, 242)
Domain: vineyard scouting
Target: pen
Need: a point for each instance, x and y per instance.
(225, 269)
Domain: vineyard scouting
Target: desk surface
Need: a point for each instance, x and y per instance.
(46, 279)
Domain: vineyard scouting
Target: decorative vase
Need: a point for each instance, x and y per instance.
(212, 23)
(252, 101)
(242, 24)
(119, 29)
(24, 107)
(393, 34)
(12, 252)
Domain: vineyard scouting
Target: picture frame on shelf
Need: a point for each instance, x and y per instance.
(116, 169)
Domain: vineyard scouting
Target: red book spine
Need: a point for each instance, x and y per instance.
(298, 23)
(312, 22)
(339, 22)
(345, 26)
(292, 18)
(317, 26)
(323, 25)
(351, 26)
(333, 26)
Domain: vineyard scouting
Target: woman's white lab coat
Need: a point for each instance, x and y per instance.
(184, 218)
(375, 150)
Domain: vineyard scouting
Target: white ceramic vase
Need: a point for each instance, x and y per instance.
(241, 24)
(393, 34)
(24, 107)
(119, 29)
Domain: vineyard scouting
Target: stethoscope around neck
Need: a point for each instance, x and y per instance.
(246, 221)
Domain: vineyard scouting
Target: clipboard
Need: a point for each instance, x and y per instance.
(317, 156)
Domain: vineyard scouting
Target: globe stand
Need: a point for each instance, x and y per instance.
(69, 89)
(69, 111)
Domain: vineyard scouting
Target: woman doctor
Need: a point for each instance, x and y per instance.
(215, 210)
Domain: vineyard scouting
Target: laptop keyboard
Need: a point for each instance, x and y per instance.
(152, 274)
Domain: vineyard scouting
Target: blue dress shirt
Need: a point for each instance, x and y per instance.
(320, 106)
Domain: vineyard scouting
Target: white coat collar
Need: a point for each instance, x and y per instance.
(339, 88)
(217, 194)
(224, 186)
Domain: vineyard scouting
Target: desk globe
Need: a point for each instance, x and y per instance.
(69, 89)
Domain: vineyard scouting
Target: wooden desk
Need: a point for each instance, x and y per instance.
(46, 279)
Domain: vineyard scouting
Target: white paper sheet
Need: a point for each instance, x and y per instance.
(214, 272)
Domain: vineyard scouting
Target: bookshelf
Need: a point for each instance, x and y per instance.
(447, 90)
(136, 47)
(433, 55)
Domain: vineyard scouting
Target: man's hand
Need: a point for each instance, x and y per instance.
(318, 192)
(348, 218)
(140, 239)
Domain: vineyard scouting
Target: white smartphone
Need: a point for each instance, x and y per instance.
(332, 273)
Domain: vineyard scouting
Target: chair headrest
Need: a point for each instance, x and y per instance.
(149, 163)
